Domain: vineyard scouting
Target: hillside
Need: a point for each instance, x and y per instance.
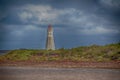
(109, 52)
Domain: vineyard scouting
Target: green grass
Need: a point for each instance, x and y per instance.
(109, 52)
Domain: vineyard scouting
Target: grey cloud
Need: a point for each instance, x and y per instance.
(45, 14)
(76, 21)
(111, 4)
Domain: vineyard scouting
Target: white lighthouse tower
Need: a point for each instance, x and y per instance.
(50, 39)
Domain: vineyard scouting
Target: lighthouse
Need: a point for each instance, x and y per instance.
(50, 39)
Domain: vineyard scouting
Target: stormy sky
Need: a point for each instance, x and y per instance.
(23, 23)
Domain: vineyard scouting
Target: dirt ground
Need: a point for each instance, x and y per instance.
(37, 73)
(67, 64)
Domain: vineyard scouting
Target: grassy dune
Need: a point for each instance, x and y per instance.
(109, 52)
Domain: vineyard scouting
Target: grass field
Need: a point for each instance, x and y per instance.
(98, 53)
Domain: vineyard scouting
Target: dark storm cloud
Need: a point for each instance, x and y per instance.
(111, 4)
(75, 22)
